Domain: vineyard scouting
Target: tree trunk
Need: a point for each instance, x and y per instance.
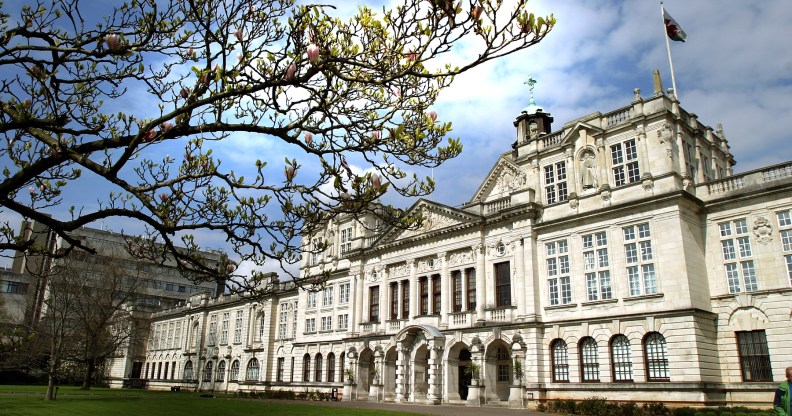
(88, 375)
(50, 388)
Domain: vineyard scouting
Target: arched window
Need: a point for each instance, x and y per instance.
(560, 360)
(589, 360)
(318, 367)
(208, 371)
(331, 367)
(234, 376)
(220, 371)
(620, 357)
(188, 370)
(656, 355)
(252, 373)
(307, 367)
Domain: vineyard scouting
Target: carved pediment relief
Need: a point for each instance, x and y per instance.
(504, 178)
(436, 217)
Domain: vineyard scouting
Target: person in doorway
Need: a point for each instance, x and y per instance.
(781, 401)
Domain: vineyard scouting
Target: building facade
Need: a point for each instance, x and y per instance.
(616, 256)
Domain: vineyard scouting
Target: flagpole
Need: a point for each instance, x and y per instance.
(668, 48)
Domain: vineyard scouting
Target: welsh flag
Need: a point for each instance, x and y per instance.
(673, 29)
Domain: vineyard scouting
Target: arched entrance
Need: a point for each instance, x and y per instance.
(389, 378)
(418, 371)
(498, 369)
(365, 373)
(457, 379)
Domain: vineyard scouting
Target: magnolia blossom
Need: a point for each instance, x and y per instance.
(376, 180)
(166, 127)
(308, 138)
(290, 71)
(476, 11)
(28, 102)
(205, 78)
(190, 53)
(290, 172)
(150, 135)
(410, 55)
(112, 40)
(32, 190)
(313, 53)
(375, 136)
(432, 114)
(163, 197)
(185, 93)
(239, 34)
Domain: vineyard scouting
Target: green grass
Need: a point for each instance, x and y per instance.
(29, 401)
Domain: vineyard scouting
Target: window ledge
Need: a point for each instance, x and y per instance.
(561, 307)
(644, 297)
(600, 302)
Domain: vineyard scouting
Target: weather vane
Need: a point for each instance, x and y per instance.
(531, 82)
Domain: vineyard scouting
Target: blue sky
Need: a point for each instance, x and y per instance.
(735, 68)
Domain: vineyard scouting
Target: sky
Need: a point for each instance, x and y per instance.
(735, 68)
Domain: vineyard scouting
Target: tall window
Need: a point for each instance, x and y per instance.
(280, 369)
(327, 323)
(785, 228)
(624, 157)
(560, 360)
(656, 356)
(754, 356)
(436, 295)
(283, 325)
(234, 376)
(311, 300)
(316, 254)
(306, 367)
(207, 371)
(639, 257)
(620, 358)
(456, 281)
(212, 330)
(177, 336)
(596, 265)
(394, 300)
(503, 363)
(405, 299)
(502, 285)
(558, 279)
(471, 289)
(343, 293)
(188, 370)
(327, 296)
(252, 373)
(343, 321)
(589, 360)
(690, 160)
(555, 182)
(262, 326)
(374, 303)
(346, 240)
(318, 367)
(169, 337)
(238, 327)
(737, 256)
(331, 368)
(423, 286)
(310, 325)
(221, 368)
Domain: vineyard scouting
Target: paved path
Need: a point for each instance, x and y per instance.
(442, 410)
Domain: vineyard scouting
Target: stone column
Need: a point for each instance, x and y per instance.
(573, 174)
(602, 163)
(357, 312)
(643, 152)
(475, 396)
(519, 278)
(350, 386)
(433, 394)
(516, 389)
(481, 283)
(402, 361)
(444, 292)
(375, 384)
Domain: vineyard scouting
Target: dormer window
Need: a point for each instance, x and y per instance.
(625, 163)
(555, 182)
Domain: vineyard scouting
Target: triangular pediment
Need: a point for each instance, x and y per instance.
(503, 179)
(437, 218)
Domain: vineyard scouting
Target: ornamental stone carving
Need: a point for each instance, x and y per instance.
(398, 270)
(763, 230)
(509, 181)
(461, 257)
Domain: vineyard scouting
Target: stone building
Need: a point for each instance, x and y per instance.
(616, 256)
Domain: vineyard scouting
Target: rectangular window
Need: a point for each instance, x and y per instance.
(343, 293)
(310, 325)
(737, 256)
(502, 285)
(212, 330)
(343, 321)
(436, 295)
(471, 289)
(555, 183)
(238, 327)
(690, 160)
(423, 287)
(754, 356)
(596, 262)
(405, 287)
(394, 301)
(639, 256)
(316, 253)
(311, 300)
(327, 296)
(281, 365)
(284, 322)
(374, 299)
(624, 157)
(785, 229)
(346, 240)
(503, 372)
(558, 270)
(456, 281)
(327, 323)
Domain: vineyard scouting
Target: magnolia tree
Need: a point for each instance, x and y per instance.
(86, 100)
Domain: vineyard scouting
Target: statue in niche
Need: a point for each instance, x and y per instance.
(533, 131)
(588, 171)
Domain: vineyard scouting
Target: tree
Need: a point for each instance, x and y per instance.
(212, 69)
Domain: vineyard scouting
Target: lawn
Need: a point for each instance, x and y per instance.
(29, 401)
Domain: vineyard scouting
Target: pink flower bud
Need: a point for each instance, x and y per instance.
(376, 181)
(190, 53)
(475, 12)
(166, 127)
(410, 56)
(240, 57)
(163, 197)
(32, 190)
(113, 41)
(432, 115)
(35, 70)
(239, 34)
(185, 93)
(230, 268)
(313, 53)
(308, 138)
(41, 188)
(28, 102)
(290, 71)
(205, 78)
(375, 136)
(150, 135)
(290, 172)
